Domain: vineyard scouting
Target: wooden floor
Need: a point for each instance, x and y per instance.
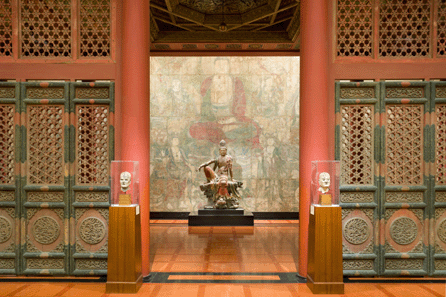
(205, 290)
(267, 247)
(250, 254)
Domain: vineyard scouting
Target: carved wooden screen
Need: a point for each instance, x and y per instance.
(56, 143)
(405, 182)
(357, 111)
(93, 112)
(9, 177)
(45, 178)
(438, 178)
(410, 181)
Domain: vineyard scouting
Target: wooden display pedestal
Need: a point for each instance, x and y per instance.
(124, 250)
(325, 275)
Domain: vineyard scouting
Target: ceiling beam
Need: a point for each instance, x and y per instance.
(153, 28)
(253, 16)
(222, 37)
(269, 25)
(187, 14)
(293, 28)
(169, 8)
(276, 7)
(174, 24)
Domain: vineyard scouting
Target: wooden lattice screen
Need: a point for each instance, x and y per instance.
(57, 29)
(390, 140)
(391, 29)
(57, 144)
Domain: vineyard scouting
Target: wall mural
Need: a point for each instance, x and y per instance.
(250, 102)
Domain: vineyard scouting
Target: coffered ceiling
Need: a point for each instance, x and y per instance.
(224, 25)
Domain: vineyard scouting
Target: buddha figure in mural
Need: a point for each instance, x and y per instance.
(223, 109)
(221, 187)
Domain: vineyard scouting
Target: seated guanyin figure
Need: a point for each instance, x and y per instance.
(221, 188)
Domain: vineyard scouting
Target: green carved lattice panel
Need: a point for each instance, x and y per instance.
(405, 186)
(356, 130)
(438, 178)
(45, 178)
(9, 177)
(92, 137)
(407, 200)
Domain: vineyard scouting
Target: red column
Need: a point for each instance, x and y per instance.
(314, 107)
(135, 106)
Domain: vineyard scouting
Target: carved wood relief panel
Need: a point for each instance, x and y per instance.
(438, 159)
(9, 175)
(408, 191)
(93, 109)
(356, 118)
(53, 198)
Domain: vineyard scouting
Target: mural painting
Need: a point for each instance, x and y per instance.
(250, 102)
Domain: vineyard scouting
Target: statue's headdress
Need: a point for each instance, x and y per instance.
(222, 144)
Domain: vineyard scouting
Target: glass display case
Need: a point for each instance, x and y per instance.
(325, 180)
(124, 183)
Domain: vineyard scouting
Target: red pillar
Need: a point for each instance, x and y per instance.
(135, 107)
(314, 107)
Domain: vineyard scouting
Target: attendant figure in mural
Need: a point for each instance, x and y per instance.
(271, 168)
(221, 187)
(179, 170)
(223, 109)
(181, 101)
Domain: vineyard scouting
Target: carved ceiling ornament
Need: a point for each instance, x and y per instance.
(45, 230)
(92, 230)
(5, 229)
(356, 231)
(403, 230)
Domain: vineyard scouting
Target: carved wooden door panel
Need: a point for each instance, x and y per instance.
(45, 178)
(9, 177)
(438, 179)
(405, 186)
(357, 120)
(56, 144)
(92, 136)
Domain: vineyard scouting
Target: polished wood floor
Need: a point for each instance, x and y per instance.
(211, 290)
(267, 247)
(257, 253)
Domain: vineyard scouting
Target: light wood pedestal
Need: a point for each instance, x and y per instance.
(325, 275)
(124, 250)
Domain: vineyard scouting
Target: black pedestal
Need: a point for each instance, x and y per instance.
(221, 217)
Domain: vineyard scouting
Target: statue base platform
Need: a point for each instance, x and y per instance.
(221, 217)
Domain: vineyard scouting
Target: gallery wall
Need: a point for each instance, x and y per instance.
(250, 102)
